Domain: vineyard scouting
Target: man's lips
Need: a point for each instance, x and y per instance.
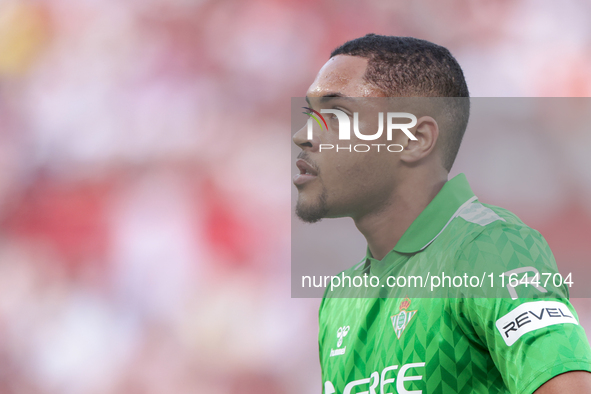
(305, 168)
(307, 173)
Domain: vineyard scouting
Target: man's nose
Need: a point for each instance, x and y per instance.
(300, 138)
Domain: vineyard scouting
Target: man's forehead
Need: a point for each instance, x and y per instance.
(343, 75)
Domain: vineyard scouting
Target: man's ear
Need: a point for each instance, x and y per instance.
(427, 132)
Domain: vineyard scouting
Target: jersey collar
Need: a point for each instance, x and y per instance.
(451, 199)
(436, 216)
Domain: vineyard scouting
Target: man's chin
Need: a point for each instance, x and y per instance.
(312, 212)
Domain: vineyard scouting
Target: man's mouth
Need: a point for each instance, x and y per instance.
(307, 173)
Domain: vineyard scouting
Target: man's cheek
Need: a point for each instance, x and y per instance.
(355, 173)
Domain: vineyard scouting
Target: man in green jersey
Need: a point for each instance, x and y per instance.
(465, 338)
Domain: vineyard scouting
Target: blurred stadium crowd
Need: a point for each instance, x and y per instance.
(145, 176)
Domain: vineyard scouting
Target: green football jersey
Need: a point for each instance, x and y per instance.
(491, 321)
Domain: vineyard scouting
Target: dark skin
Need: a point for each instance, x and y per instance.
(383, 193)
(371, 188)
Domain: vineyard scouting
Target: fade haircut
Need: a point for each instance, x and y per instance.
(410, 67)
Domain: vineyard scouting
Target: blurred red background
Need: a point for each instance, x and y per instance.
(145, 177)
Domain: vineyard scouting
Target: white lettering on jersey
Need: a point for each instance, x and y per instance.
(402, 378)
(528, 281)
(374, 380)
(531, 316)
(386, 381)
(341, 334)
(328, 387)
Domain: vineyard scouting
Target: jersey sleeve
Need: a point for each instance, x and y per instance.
(532, 332)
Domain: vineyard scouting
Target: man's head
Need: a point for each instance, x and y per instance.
(352, 183)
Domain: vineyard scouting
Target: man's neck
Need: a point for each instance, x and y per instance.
(383, 229)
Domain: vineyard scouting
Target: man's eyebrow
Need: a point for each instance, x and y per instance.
(326, 97)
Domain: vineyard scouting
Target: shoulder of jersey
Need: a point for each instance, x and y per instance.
(484, 231)
(483, 219)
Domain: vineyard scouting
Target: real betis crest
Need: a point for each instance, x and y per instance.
(401, 320)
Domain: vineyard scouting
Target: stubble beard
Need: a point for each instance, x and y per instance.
(313, 213)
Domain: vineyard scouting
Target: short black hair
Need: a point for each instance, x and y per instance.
(410, 67)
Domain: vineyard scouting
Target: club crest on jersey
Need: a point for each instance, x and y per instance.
(401, 320)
